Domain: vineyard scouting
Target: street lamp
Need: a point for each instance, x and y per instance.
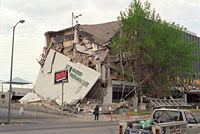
(11, 67)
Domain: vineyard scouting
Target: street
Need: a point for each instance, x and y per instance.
(45, 123)
(67, 128)
(53, 124)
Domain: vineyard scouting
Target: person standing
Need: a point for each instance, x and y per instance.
(96, 113)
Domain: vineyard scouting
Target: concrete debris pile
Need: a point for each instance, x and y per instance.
(33, 98)
(104, 108)
(87, 44)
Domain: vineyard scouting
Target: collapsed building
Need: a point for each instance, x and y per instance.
(80, 55)
(82, 50)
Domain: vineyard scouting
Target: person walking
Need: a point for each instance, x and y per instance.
(96, 113)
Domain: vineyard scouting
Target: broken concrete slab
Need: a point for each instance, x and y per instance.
(80, 79)
(30, 97)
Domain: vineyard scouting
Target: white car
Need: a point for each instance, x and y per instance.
(165, 121)
(174, 115)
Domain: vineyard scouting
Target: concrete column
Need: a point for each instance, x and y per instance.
(108, 76)
(108, 97)
(185, 98)
(98, 67)
(75, 34)
(47, 40)
(103, 73)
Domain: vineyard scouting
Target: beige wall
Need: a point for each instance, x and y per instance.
(6, 94)
(67, 32)
(67, 43)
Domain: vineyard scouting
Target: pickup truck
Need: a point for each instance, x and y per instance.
(164, 121)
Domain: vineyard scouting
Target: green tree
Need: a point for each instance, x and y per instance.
(151, 49)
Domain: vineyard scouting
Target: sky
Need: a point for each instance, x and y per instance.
(52, 15)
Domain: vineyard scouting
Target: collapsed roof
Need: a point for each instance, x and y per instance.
(98, 33)
(101, 33)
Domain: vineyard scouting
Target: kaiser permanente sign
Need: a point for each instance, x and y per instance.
(80, 79)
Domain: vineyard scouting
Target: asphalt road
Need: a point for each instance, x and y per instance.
(44, 123)
(91, 127)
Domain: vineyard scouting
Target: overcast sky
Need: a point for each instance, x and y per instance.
(52, 15)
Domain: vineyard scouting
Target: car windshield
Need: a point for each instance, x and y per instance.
(162, 116)
(190, 118)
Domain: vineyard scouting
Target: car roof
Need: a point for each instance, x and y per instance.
(165, 109)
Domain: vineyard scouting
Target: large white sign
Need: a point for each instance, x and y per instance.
(80, 79)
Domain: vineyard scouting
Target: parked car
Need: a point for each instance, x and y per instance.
(164, 121)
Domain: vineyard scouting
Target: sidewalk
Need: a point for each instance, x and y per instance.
(115, 117)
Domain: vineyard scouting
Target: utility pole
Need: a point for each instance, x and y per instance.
(62, 95)
(62, 103)
(74, 29)
(74, 18)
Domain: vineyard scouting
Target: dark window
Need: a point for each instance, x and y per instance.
(3, 96)
(162, 116)
(190, 118)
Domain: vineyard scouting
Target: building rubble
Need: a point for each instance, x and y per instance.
(86, 45)
(82, 50)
